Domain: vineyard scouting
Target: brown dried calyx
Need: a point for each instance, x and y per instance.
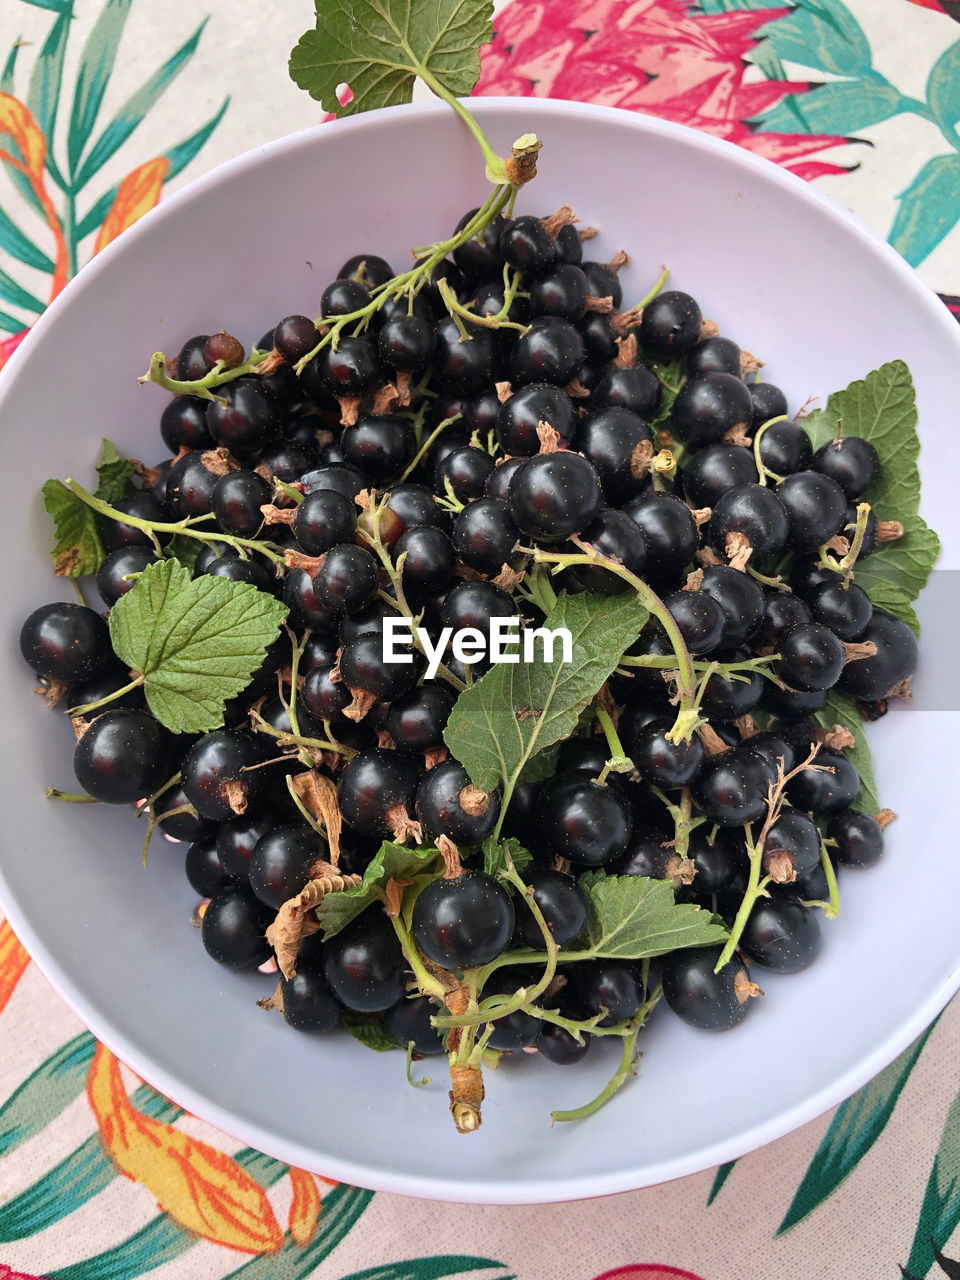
(318, 795)
(466, 1096)
(749, 364)
(701, 515)
(713, 744)
(564, 217)
(234, 793)
(694, 581)
(837, 737)
(889, 530)
(603, 305)
(737, 434)
(51, 691)
(297, 560)
(451, 858)
(271, 364)
(641, 459)
(349, 409)
(588, 233)
(854, 651)
(708, 557)
(780, 866)
(148, 476)
(474, 801)
(884, 818)
(508, 578)
(79, 726)
(278, 515)
(621, 322)
(549, 438)
(521, 163)
(273, 1001)
(401, 826)
(435, 756)
(738, 549)
(746, 726)
(709, 329)
(743, 988)
(220, 462)
(294, 919)
(362, 701)
(576, 390)
(626, 356)
(620, 259)
(504, 391)
(681, 870)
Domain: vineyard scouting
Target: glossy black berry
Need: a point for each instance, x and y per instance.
(323, 520)
(582, 820)
(827, 789)
(463, 922)
(306, 609)
(183, 423)
(448, 804)
(557, 1045)
(731, 789)
(599, 337)
(782, 935)
(122, 757)
(794, 833)
(367, 269)
(248, 421)
(768, 402)
(895, 659)
(416, 504)
(707, 407)
(417, 720)
(191, 361)
(190, 485)
(790, 704)
(607, 984)
(719, 857)
(521, 413)
(782, 611)
(237, 838)
(699, 619)
(378, 446)
(179, 826)
(237, 499)
(715, 469)
(785, 448)
(372, 784)
(336, 475)
(236, 570)
(815, 506)
(845, 608)
(859, 838)
(281, 861)
(704, 999)
(347, 579)
(554, 496)
(475, 604)
(726, 697)
(216, 773)
(754, 513)
(613, 534)
(429, 564)
(671, 324)
(363, 963)
(65, 642)
(105, 682)
(480, 256)
(406, 343)
(740, 599)
(550, 351)
(811, 657)
(714, 355)
(560, 291)
(526, 244)
(614, 440)
(562, 903)
(234, 927)
(409, 1023)
(669, 530)
(632, 387)
(308, 1003)
(352, 369)
(464, 472)
(662, 762)
(464, 365)
(850, 461)
(202, 867)
(775, 749)
(343, 297)
(484, 535)
(603, 282)
(362, 667)
(294, 337)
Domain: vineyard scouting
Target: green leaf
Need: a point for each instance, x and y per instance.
(841, 709)
(183, 152)
(633, 917)
(516, 710)
(14, 242)
(391, 862)
(671, 375)
(855, 1127)
(135, 108)
(433, 1268)
(379, 47)
(892, 600)
(197, 641)
(841, 107)
(900, 567)
(114, 475)
(184, 550)
(46, 1092)
(822, 34)
(494, 859)
(719, 1178)
(10, 291)
(882, 409)
(93, 76)
(928, 210)
(77, 548)
(940, 1211)
(43, 94)
(943, 87)
(369, 1030)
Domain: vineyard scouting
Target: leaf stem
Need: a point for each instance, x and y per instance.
(110, 697)
(762, 471)
(201, 387)
(496, 165)
(424, 448)
(428, 984)
(831, 908)
(649, 297)
(70, 797)
(619, 761)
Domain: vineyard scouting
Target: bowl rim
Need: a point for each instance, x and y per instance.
(300, 1154)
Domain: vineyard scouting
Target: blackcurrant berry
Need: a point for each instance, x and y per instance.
(558, 1045)
(190, 485)
(352, 369)
(463, 922)
(719, 857)
(191, 362)
(362, 667)
(480, 256)
(603, 282)
(669, 530)
(464, 364)
(406, 343)
(237, 838)
(281, 861)
(429, 564)
(714, 355)
(612, 440)
(850, 461)
(662, 762)
(699, 618)
(235, 570)
(465, 470)
(363, 963)
(563, 905)
(794, 833)
(234, 927)
(526, 244)
(554, 496)
(827, 789)
(768, 402)
(367, 269)
(615, 535)
(237, 499)
(294, 337)
(475, 604)
(670, 324)
(782, 935)
(415, 504)
(378, 446)
(583, 820)
(785, 448)
(607, 984)
(706, 408)
(203, 869)
(484, 535)
(323, 520)
(568, 244)
(181, 826)
(122, 757)
(599, 337)
(65, 642)
(755, 513)
(448, 804)
(782, 611)
(336, 475)
(859, 838)
(633, 387)
(845, 608)
(343, 297)
(521, 414)
(416, 720)
(498, 481)
(560, 291)
(409, 1023)
(715, 469)
(217, 776)
(306, 609)
(731, 789)
(248, 421)
(308, 1003)
(184, 424)
(815, 506)
(550, 351)
(740, 599)
(347, 579)
(702, 998)
(727, 697)
(895, 659)
(811, 657)
(791, 704)
(371, 785)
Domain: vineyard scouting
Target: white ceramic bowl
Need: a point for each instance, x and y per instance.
(785, 272)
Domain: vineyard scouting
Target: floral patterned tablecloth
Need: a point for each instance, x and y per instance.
(104, 104)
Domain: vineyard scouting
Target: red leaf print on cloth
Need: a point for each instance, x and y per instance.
(647, 1271)
(651, 56)
(7, 1274)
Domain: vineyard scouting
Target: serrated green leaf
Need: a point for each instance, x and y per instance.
(494, 855)
(840, 107)
(822, 34)
(882, 409)
(135, 109)
(901, 566)
(77, 547)
(369, 1030)
(93, 75)
(184, 550)
(114, 475)
(885, 596)
(854, 1129)
(841, 709)
(391, 862)
(196, 641)
(380, 47)
(928, 209)
(943, 87)
(940, 1211)
(633, 917)
(19, 246)
(671, 374)
(516, 710)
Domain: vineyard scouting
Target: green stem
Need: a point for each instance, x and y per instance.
(53, 793)
(619, 761)
(110, 697)
(298, 741)
(411, 1045)
(298, 647)
(160, 791)
(831, 908)
(762, 471)
(202, 387)
(424, 448)
(460, 312)
(756, 888)
(428, 984)
(183, 527)
(496, 166)
(649, 297)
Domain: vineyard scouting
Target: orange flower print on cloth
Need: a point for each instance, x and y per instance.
(13, 961)
(26, 153)
(200, 1187)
